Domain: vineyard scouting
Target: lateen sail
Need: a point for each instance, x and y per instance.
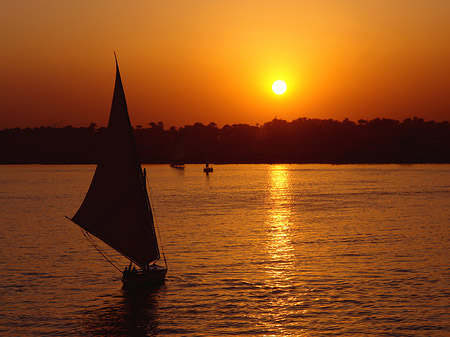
(116, 208)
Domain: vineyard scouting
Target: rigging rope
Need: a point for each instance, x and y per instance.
(155, 222)
(89, 238)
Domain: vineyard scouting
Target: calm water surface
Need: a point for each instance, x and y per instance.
(258, 250)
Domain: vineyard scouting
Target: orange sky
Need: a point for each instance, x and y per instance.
(214, 61)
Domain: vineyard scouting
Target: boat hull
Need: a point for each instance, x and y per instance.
(153, 276)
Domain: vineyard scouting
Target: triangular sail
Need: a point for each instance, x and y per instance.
(116, 208)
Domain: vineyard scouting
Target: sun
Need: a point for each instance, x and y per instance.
(279, 87)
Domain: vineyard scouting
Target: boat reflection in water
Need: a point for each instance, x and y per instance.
(133, 312)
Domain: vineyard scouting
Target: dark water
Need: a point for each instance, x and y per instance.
(258, 250)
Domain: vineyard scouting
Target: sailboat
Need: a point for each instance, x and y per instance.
(208, 169)
(179, 156)
(116, 208)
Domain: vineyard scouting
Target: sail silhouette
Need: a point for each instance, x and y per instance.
(116, 208)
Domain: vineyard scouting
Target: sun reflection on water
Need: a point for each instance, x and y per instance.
(279, 245)
(286, 297)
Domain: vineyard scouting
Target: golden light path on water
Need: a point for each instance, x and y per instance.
(281, 269)
(279, 245)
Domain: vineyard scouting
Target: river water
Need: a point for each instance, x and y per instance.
(257, 250)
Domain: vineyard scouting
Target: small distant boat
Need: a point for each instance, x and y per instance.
(179, 156)
(208, 169)
(116, 208)
(177, 165)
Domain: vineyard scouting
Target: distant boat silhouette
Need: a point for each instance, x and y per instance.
(116, 208)
(179, 156)
(208, 169)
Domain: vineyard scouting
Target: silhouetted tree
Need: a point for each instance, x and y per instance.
(302, 140)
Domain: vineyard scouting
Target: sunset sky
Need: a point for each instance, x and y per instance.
(215, 61)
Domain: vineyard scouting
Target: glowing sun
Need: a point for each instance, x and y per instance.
(279, 87)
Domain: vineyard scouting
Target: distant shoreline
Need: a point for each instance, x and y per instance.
(301, 141)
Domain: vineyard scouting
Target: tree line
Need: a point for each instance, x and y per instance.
(302, 140)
